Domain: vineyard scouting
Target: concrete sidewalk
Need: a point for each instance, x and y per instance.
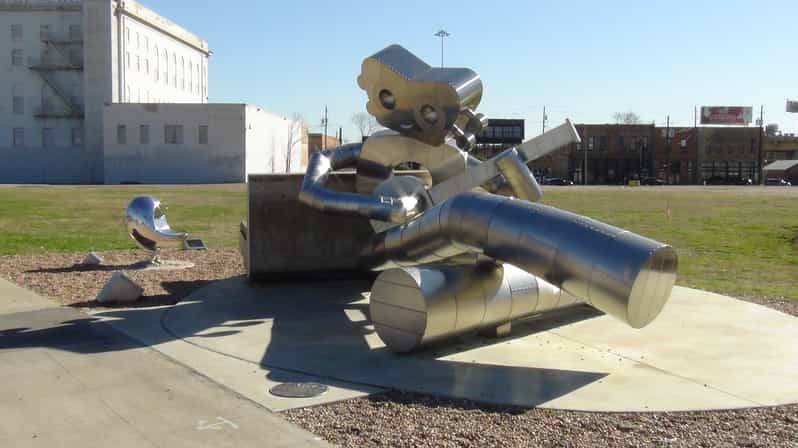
(68, 380)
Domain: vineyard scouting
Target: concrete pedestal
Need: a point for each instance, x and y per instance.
(287, 239)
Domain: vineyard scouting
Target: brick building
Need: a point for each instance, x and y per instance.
(614, 153)
(676, 155)
(728, 152)
(317, 142)
(779, 147)
(498, 135)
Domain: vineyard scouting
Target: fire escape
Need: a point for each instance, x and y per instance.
(60, 55)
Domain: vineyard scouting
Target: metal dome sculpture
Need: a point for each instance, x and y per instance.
(145, 217)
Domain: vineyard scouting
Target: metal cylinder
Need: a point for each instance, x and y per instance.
(412, 307)
(623, 274)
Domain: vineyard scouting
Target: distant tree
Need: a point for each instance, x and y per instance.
(626, 118)
(365, 123)
(296, 131)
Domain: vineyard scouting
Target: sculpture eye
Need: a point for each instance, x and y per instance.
(387, 99)
(429, 114)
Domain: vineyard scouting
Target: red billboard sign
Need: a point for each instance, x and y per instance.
(734, 115)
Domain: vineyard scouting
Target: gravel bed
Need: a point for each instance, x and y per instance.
(414, 420)
(61, 277)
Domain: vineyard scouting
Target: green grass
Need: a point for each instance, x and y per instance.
(740, 241)
(76, 219)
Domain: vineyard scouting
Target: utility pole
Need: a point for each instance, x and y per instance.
(668, 149)
(584, 165)
(544, 119)
(442, 34)
(761, 136)
(324, 123)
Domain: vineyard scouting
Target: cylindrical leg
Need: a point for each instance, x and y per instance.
(411, 307)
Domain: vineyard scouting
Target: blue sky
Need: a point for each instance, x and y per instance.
(584, 60)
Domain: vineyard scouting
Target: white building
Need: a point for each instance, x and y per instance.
(68, 67)
(178, 143)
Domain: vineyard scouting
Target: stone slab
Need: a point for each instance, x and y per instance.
(705, 351)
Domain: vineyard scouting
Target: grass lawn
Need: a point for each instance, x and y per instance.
(735, 240)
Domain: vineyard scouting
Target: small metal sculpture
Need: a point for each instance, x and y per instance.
(145, 217)
(472, 251)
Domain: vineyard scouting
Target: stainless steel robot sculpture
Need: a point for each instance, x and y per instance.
(472, 249)
(145, 218)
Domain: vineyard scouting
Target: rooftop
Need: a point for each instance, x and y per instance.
(780, 165)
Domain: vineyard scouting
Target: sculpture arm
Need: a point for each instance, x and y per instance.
(515, 178)
(315, 194)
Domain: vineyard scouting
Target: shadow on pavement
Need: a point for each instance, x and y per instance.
(296, 330)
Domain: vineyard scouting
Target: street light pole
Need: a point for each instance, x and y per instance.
(442, 34)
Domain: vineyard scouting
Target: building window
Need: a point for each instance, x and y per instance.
(174, 67)
(146, 43)
(165, 67)
(16, 57)
(18, 105)
(75, 32)
(16, 32)
(183, 73)
(48, 137)
(173, 134)
(77, 136)
(138, 63)
(602, 143)
(127, 35)
(121, 134)
(203, 134)
(19, 137)
(75, 57)
(590, 141)
(147, 66)
(144, 134)
(44, 32)
(138, 40)
(127, 59)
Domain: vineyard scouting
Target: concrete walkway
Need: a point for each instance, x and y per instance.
(705, 351)
(67, 380)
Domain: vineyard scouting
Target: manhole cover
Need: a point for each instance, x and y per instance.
(298, 390)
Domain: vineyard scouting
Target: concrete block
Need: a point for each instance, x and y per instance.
(289, 239)
(120, 288)
(92, 259)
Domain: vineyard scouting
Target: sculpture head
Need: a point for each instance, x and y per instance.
(145, 217)
(426, 103)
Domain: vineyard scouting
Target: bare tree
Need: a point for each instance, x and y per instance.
(365, 123)
(296, 132)
(626, 118)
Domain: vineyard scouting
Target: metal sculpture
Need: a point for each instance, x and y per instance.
(472, 250)
(145, 217)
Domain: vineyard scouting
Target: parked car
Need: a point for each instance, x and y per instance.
(777, 181)
(652, 181)
(734, 180)
(556, 181)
